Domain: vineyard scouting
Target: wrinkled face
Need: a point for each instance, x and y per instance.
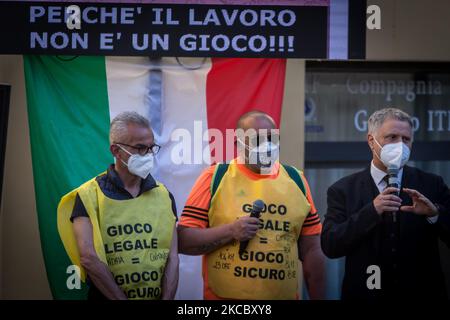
(137, 140)
(391, 131)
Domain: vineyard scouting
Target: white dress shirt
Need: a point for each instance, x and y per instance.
(378, 175)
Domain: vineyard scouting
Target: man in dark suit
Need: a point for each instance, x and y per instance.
(390, 242)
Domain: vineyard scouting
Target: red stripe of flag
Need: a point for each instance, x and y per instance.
(236, 86)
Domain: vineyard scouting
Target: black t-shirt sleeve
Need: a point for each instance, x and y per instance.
(78, 209)
(174, 205)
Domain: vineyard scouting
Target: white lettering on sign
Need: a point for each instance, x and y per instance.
(408, 89)
(182, 32)
(58, 40)
(246, 17)
(437, 120)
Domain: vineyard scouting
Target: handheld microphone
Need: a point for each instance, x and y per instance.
(258, 206)
(393, 182)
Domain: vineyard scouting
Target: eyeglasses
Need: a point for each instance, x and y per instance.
(143, 149)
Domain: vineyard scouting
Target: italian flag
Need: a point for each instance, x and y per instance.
(71, 101)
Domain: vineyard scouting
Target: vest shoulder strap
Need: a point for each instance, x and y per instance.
(294, 175)
(221, 169)
(219, 172)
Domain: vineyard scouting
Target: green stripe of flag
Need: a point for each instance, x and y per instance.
(69, 123)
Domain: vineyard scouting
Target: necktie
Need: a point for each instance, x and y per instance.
(386, 180)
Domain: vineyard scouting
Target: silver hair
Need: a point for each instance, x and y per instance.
(377, 119)
(119, 125)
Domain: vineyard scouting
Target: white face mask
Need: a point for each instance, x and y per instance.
(394, 155)
(265, 154)
(138, 165)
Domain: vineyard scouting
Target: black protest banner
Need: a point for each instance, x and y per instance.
(71, 28)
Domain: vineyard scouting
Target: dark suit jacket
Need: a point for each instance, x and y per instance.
(406, 251)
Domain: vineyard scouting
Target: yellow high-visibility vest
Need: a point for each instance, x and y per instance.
(268, 269)
(133, 237)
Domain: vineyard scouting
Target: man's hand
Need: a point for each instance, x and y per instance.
(387, 202)
(244, 228)
(421, 204)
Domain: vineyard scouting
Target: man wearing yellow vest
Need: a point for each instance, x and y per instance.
(216, 222)
(123, 233)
